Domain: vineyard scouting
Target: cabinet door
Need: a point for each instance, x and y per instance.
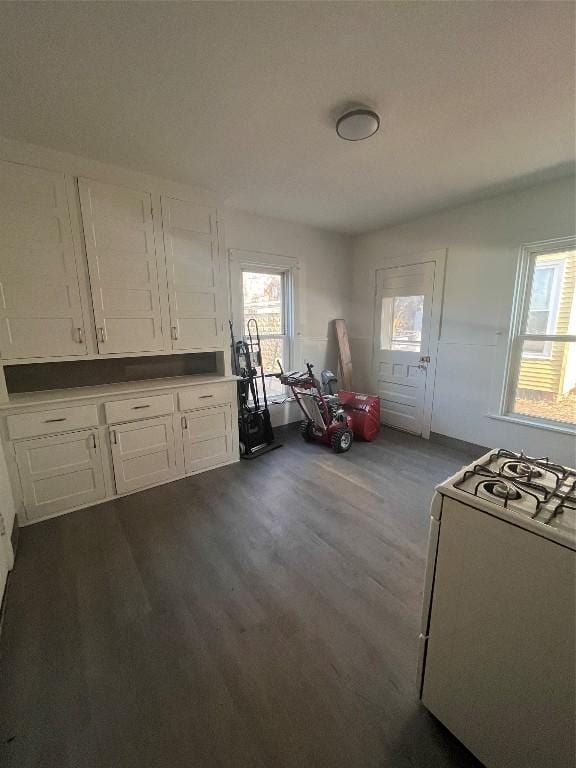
(123, 267)
(60, 472)
(207, 438)
(40, 309)
(194, 274)
(143, 453)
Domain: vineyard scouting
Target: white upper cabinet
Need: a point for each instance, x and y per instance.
(194, 274)
(123, 267)
(40, 308)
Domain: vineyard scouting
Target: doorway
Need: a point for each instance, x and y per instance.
(406, 329)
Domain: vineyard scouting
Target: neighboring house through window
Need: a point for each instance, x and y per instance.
(544, 305)
(541, 376)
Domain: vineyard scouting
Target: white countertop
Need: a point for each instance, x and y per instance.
(106, 391)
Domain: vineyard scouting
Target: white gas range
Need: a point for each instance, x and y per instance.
(498, 637)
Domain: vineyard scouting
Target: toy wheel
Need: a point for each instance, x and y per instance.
(307, 431)
(341, 440)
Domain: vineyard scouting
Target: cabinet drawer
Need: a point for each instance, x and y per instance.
(139, 408)
(202, 397)
(51, 422)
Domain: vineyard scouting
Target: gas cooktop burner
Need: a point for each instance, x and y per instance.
(523, 469)
(537, 488)
(502, 490)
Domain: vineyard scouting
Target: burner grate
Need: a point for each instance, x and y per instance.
(501, 489)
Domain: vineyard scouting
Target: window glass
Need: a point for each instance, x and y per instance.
(547, 389)
(544, 369)
(264, 298)
(543, 310)
(401, 323)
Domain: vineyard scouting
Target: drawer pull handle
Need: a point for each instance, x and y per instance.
(51, 421)
(80, 335)
(174, 332)
(203, 397)
(184, 422)
(114, 436)
(137, 407)
(101, 335)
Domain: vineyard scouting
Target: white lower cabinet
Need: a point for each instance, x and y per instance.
(207, 438)
(60, 472)
(64, 461)
(143, 453)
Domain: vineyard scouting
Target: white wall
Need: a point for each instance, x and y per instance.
(483, 241)
(324, 282)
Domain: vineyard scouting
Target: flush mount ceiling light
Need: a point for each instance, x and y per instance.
(358, 124)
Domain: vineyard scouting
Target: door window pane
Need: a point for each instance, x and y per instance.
(401, 323)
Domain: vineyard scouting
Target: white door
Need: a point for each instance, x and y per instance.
(207, 438)
(402, 354)
(143, 453)
(60, 472)
(194, 274)
(40, 309)
(123, 267)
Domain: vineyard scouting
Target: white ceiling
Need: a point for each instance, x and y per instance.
(240, 97)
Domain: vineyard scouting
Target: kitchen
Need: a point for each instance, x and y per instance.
(409, 601)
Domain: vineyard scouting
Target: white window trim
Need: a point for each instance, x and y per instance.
(521, 303)
(255, 261)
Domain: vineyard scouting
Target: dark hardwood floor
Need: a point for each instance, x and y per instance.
(264, 615)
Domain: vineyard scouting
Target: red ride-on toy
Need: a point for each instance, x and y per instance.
(324, 417)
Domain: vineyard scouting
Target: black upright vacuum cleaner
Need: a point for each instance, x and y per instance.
(254, 425)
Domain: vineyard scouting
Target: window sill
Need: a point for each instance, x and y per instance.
(527, 422)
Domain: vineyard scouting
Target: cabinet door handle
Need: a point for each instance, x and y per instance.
(184, 422)
(138, 407)
(80, 335)
(93, 441)
(101, 334)
(174, 332)
(204, 397)
(114, 436)
(51, 421)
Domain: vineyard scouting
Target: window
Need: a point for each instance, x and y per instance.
(264, 286)
(264, 299)
(543, 307)
(401, 323)
(541, 381)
